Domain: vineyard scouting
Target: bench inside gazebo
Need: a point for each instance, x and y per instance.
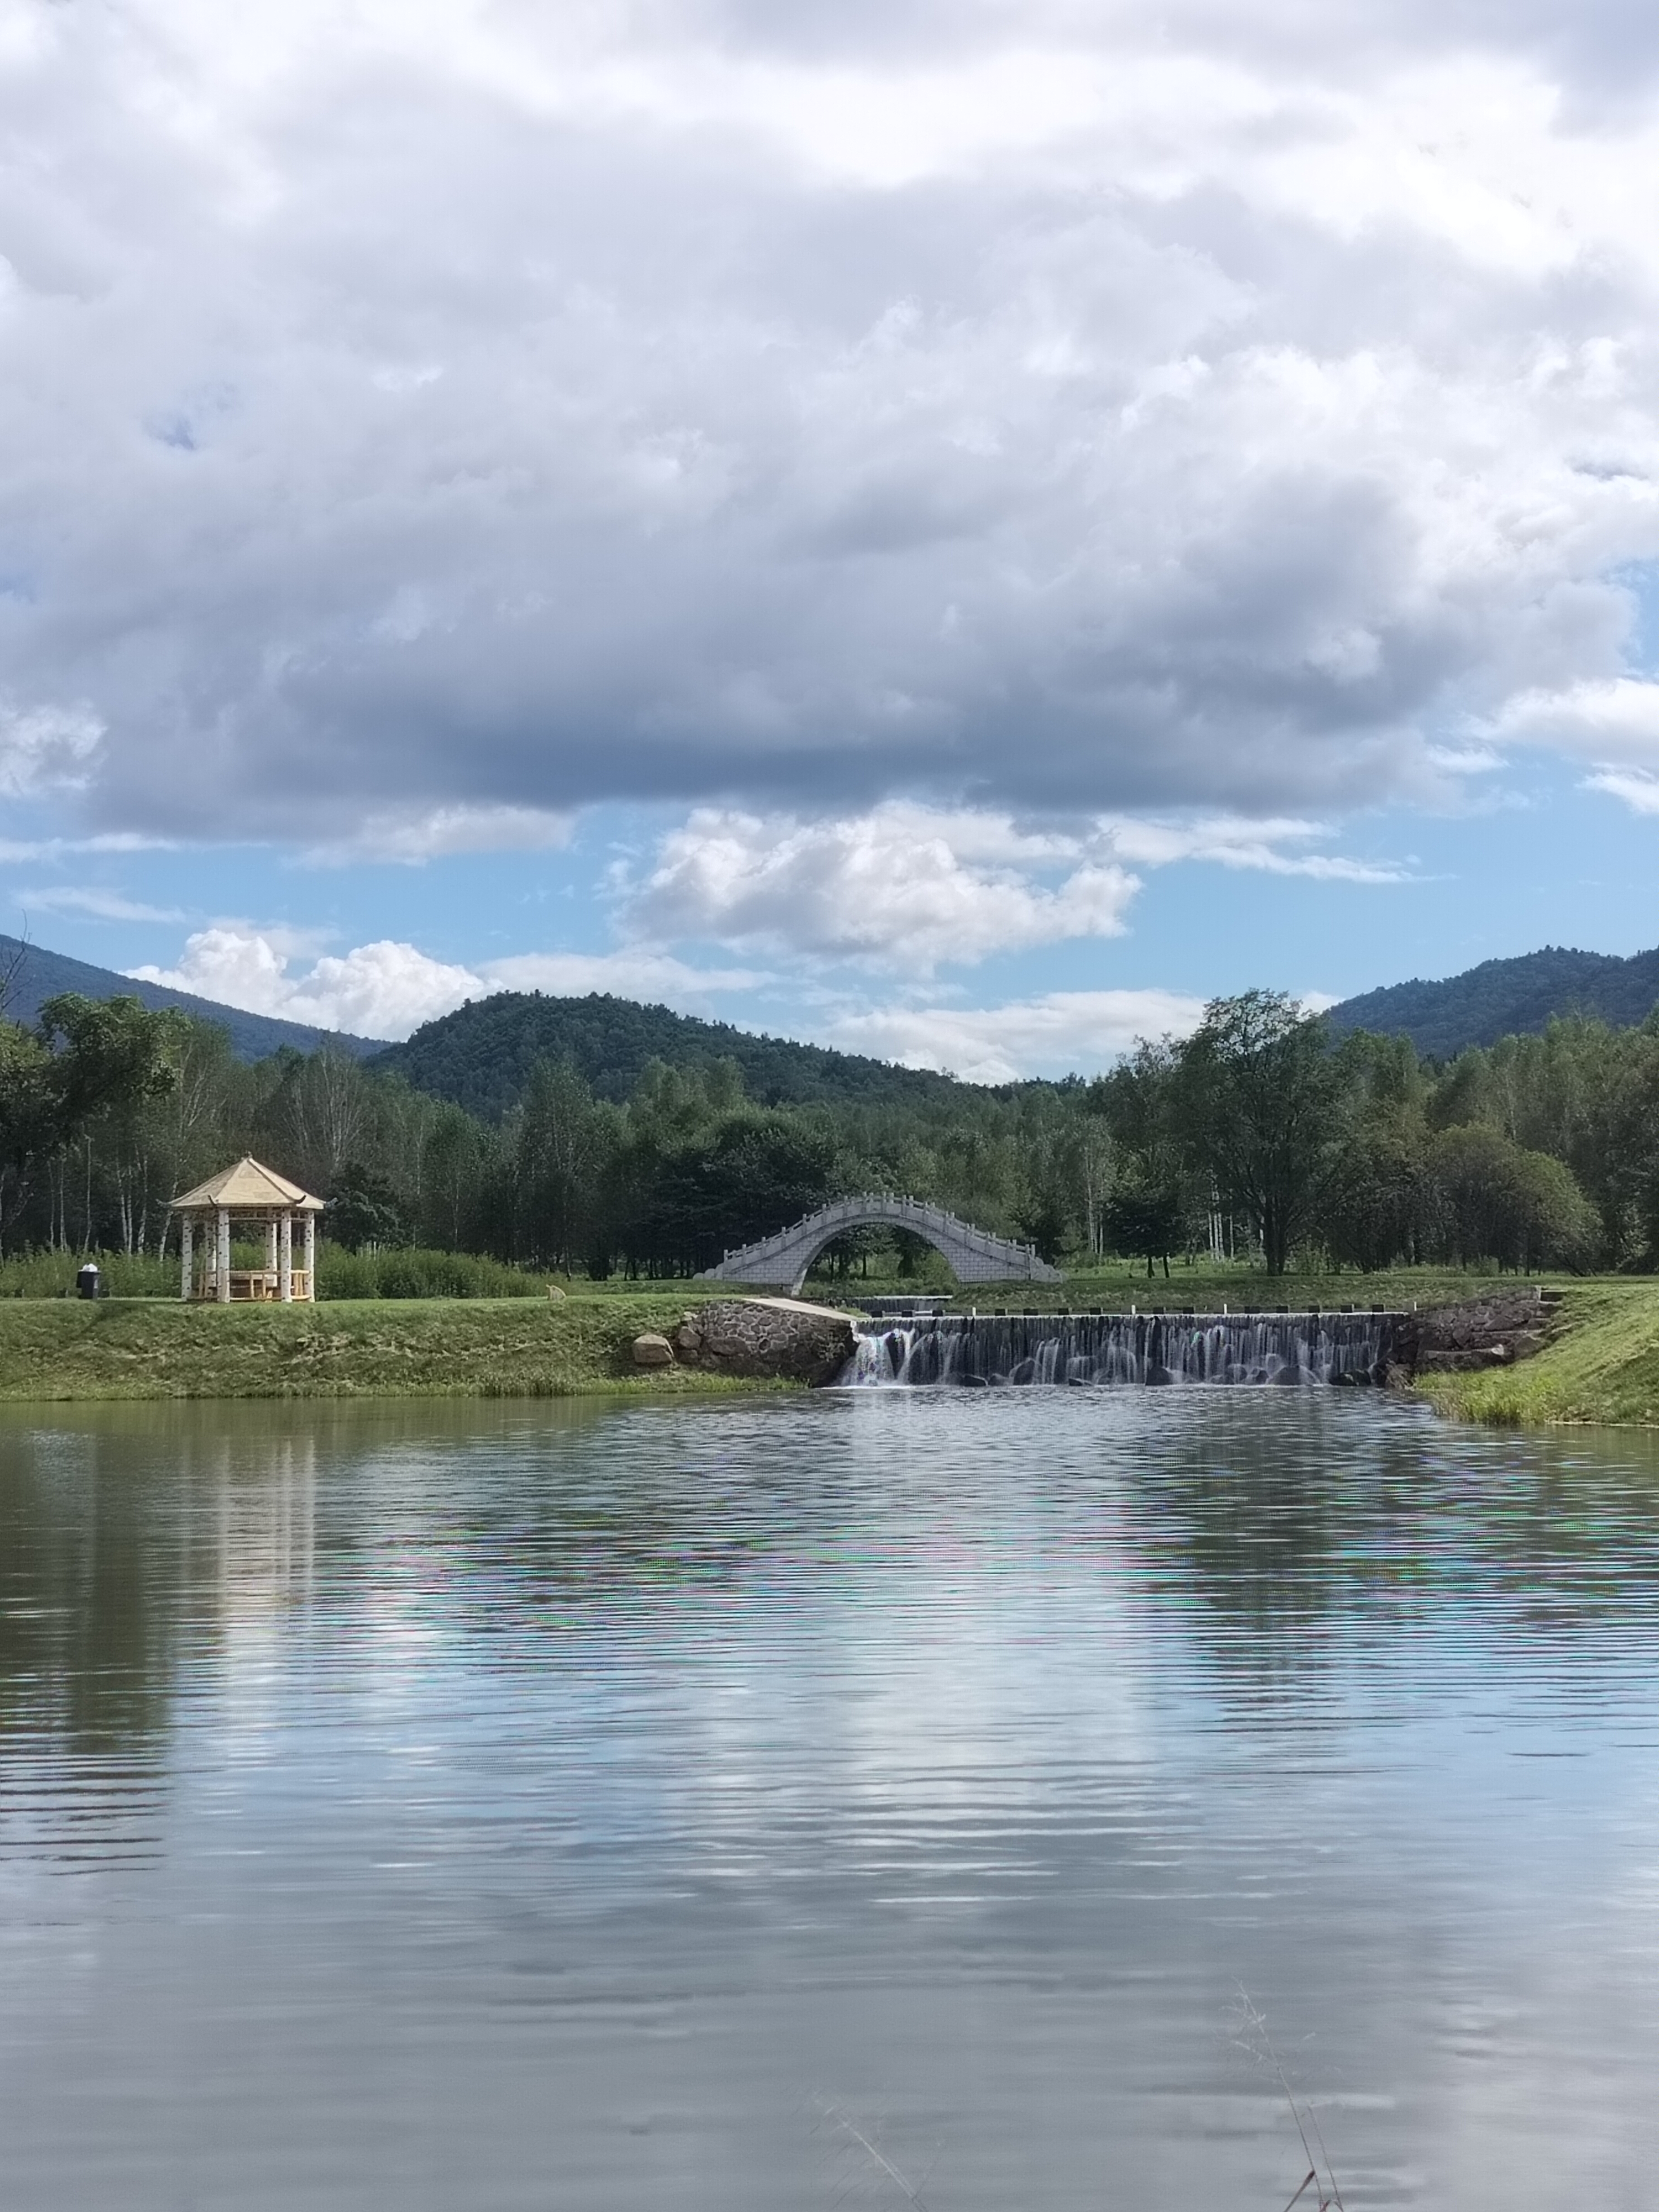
(244, 1198)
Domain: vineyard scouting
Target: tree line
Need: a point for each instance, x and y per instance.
(1257, 1136)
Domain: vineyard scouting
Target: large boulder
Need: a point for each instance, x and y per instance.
(771, 1339)
(653, 1351)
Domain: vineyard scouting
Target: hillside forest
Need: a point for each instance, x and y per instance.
(1260, 1136)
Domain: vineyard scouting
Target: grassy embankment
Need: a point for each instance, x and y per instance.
(58, 1348)
(1601, 1366)
(53, 1346)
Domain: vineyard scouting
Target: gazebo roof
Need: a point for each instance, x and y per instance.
(249, 1184)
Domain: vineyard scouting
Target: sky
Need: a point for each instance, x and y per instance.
(959, 532)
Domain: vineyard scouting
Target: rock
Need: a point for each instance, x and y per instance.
(688, 1337)
(773, 1340)
(1474, 1334)
(653, 1351)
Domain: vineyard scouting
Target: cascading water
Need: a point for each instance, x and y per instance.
(989, 1351)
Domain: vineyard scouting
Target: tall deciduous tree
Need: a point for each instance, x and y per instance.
(26, 1121)
(1257, 1095)
(90, 1059)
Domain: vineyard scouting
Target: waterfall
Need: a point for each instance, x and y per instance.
(987, 1351)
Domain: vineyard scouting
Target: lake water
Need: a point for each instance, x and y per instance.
(619, 1805)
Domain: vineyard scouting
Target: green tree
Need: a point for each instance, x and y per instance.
(363, 1209)
(1373, 1198)
(1146, 1217)
(29, 1125)
(1257, 1097)
(1493, 1200)
(100, 1062)
(751, 1174)
(563, 1142)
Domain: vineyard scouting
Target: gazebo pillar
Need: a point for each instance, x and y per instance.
(270, 1248)
(311, 1256)
(285, 1259)
(224, 1255)
(187, 1240)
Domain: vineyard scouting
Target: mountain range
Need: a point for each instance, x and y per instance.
(37, 975)
(1507, 998)
(481, 1055)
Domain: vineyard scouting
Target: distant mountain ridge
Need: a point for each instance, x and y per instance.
(481, 1056)
(1506, 998)
(41, 974)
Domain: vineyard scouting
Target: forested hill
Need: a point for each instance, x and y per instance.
(36, 975)
(481, 1056)
(1507, 998)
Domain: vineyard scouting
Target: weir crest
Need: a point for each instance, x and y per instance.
(1001, 1351)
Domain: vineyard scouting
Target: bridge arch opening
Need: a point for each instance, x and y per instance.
(934, 1243)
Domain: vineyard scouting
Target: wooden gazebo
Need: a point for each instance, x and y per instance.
(250, 1196)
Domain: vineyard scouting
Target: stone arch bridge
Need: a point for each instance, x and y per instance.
(973, 1255)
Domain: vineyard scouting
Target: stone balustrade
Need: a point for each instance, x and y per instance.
(973, 1255)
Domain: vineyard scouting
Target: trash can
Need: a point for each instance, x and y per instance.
(87, 1281)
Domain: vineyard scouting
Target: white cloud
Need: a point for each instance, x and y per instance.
(387, 989)
(439, 831)
(1638, 787)
(1064, 1032)
(1614, 722)
(381, 990)
(104, 905)
(910, 887)
(43, 748)
(57, 848)
(1616, 719)
(420, 421)
(900, 883)
(1233, 843)
(632, 973)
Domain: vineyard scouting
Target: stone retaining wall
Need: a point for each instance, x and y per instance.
(770, 1340)
(1488, 1332)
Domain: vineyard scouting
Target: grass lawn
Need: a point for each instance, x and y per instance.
(1116, 1287)
(57, 1348)
(1602, 1365)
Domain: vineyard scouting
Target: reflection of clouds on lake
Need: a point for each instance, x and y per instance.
(598, 1776)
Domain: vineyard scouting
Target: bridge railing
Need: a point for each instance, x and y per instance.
(851, 1210)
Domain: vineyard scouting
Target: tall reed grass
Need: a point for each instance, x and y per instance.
(51, 1275)
(390, 1274)
(416, 1274)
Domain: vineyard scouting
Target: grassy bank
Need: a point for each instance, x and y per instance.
(1602, 1366)
(433, 1347)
